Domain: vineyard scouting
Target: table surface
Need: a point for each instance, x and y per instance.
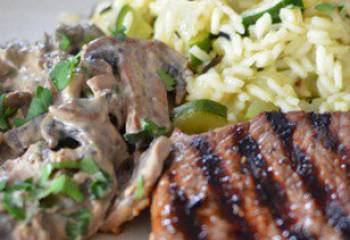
(29, 20)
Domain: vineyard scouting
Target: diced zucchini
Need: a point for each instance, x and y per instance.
(139, 28)
(273, 7)
(200, 116)
(203, 41)
(259, 106)
(121, 17)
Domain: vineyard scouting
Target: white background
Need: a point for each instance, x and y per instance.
(28, 20)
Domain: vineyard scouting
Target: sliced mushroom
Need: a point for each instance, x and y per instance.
(145, 175)
(30, 65)
(76, 36)
(86, 121)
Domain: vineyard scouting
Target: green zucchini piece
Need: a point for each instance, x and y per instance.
(251, 16)
(203, 41)
(200, 116)
(121, 17)
(259, 106)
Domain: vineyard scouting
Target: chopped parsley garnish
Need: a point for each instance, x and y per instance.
(63, 72)
(139, 188)
(101, 185)
(101, 181)
(3, 184)
(64, 42)
(49, 168)
(78, 223)
(39, 105)
(149, 131)
(14, 205)
(88, 165)
(167, 79)
(5, 114)
(19, 122)
(48, 188)
(328, 7)
(64, 184)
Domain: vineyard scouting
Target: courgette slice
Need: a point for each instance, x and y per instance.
(273, 7)
(121, 17)
(203, 41)
(139, 28)
(200, 116)
(259, 106)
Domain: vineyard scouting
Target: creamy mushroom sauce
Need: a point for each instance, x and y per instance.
(66, 169)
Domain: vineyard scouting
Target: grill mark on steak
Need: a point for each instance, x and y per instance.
(185, 213)
(228, 198)
(307, 171)
(336, 130)
(321, 123)
(283, 128)
(270, 193)
(321, 193)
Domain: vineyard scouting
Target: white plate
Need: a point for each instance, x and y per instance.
(29, 20)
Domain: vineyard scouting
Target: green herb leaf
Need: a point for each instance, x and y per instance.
(78, 224)
(3, 184)
(135, 138)
(36, 108)
(5, 114)
(40, 103)
(101, 182)
(3, 124)
(328, 7)
(44, 95)
(63, 184)
(14, 206)
(49, 168)
(139, 188)
(101, 185)
(26, 185)
(19, 122)
(64, 42)
(149, 131)
(167, 79)
(63, 72)
(153, 128)
(2, 107)
(88, 165)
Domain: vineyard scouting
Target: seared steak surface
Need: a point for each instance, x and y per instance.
(279, 176)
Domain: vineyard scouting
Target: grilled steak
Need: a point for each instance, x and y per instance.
(279, 176)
